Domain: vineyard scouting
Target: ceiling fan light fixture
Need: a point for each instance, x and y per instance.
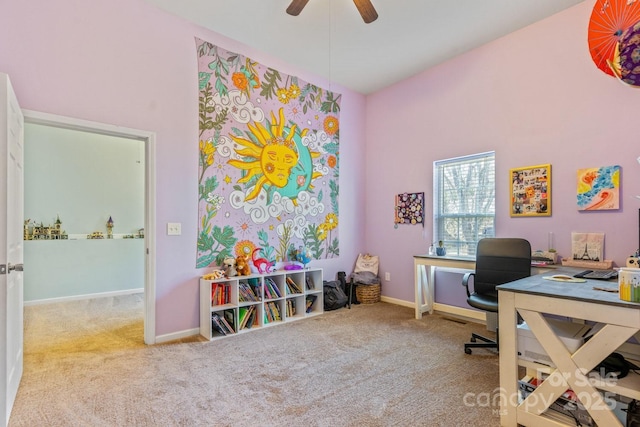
(367, 11)
(296, 7)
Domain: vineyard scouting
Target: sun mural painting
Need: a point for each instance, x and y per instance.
(268, 172)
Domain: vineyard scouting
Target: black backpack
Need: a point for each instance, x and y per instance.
(334, 296)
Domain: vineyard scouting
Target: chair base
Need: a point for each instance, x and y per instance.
(486, 343)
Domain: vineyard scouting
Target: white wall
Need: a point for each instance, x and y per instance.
(64, 269)
(84, 178)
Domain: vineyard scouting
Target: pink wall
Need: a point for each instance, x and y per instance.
(535, 97)
(126, 63)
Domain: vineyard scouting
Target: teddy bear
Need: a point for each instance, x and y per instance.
(242, 266)
(230, 267)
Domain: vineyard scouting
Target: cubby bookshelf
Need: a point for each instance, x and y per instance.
(249, 303)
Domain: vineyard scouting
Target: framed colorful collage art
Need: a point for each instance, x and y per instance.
(531, 191)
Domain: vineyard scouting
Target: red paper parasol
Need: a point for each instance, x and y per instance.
(609, 19)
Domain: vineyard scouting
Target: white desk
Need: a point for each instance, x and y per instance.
(533, 296)
(424, 275)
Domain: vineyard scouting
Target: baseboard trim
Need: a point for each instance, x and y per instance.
(177, 335)
(83, 297)
(463, 313)
(466, 313)
(397, 301)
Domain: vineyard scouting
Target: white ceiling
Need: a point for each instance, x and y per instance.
(330, 39)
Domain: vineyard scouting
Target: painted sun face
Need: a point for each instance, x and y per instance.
(275, 157)
(277, 162)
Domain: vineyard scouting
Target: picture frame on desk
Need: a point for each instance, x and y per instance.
(530, 189)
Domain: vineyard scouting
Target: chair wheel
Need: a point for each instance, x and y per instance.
(467, 350)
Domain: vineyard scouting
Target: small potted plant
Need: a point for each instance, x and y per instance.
(440, 250)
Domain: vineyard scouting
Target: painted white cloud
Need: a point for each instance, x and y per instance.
(238, 106)
(259, 212)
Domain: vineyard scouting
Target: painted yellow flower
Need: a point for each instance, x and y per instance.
(207, 149)
(294, 91)
(331, 221)
(331, 125)
(322, 232)
(244, 247)
(283, 95)
(227, 179)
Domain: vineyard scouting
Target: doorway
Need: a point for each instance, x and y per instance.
(148, 139)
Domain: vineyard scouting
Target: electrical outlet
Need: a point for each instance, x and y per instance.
(174, 229)
(387, 276)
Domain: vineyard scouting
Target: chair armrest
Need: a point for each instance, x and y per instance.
(465, 282)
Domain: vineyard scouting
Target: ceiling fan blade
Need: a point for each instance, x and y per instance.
(367, 11)
(296, 7)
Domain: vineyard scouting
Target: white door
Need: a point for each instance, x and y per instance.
(11, 229)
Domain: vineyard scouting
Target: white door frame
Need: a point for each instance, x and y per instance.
(149, 139)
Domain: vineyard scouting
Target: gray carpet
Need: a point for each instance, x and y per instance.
(373, 365)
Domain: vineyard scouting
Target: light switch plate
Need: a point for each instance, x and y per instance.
(174, 229)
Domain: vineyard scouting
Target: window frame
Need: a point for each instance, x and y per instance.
(482, 221)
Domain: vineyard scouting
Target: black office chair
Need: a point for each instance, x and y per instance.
(498, 261)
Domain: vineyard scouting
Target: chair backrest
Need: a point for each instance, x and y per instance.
(500, 260)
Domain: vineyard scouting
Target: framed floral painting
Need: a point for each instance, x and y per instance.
(530, 191)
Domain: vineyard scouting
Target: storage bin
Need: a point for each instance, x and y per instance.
(368, 294)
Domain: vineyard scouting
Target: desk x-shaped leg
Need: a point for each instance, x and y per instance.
(571, 369)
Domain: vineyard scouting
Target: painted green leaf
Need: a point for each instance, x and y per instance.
(205, 260)
(205, 242)
(224, 236)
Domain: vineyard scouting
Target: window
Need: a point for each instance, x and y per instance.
(464, 202)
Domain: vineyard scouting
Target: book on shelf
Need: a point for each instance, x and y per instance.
(268, 313)
(275, 290)
(244, 315)
(220, 294)
(248, 292)
(271, 289)
(267, 291)
(230, 318)
(218, 324)
(271, 312)
(291, 307)
(252, 318)
(293, 286)
(309, 282)
(309, 300)
(276, 311)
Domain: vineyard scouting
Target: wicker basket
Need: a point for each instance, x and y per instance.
(368, 294)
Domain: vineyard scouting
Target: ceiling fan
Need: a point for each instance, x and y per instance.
(366, 9)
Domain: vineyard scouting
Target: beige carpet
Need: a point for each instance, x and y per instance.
(373, 365)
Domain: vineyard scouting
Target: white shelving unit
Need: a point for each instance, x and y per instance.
(249, 303)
